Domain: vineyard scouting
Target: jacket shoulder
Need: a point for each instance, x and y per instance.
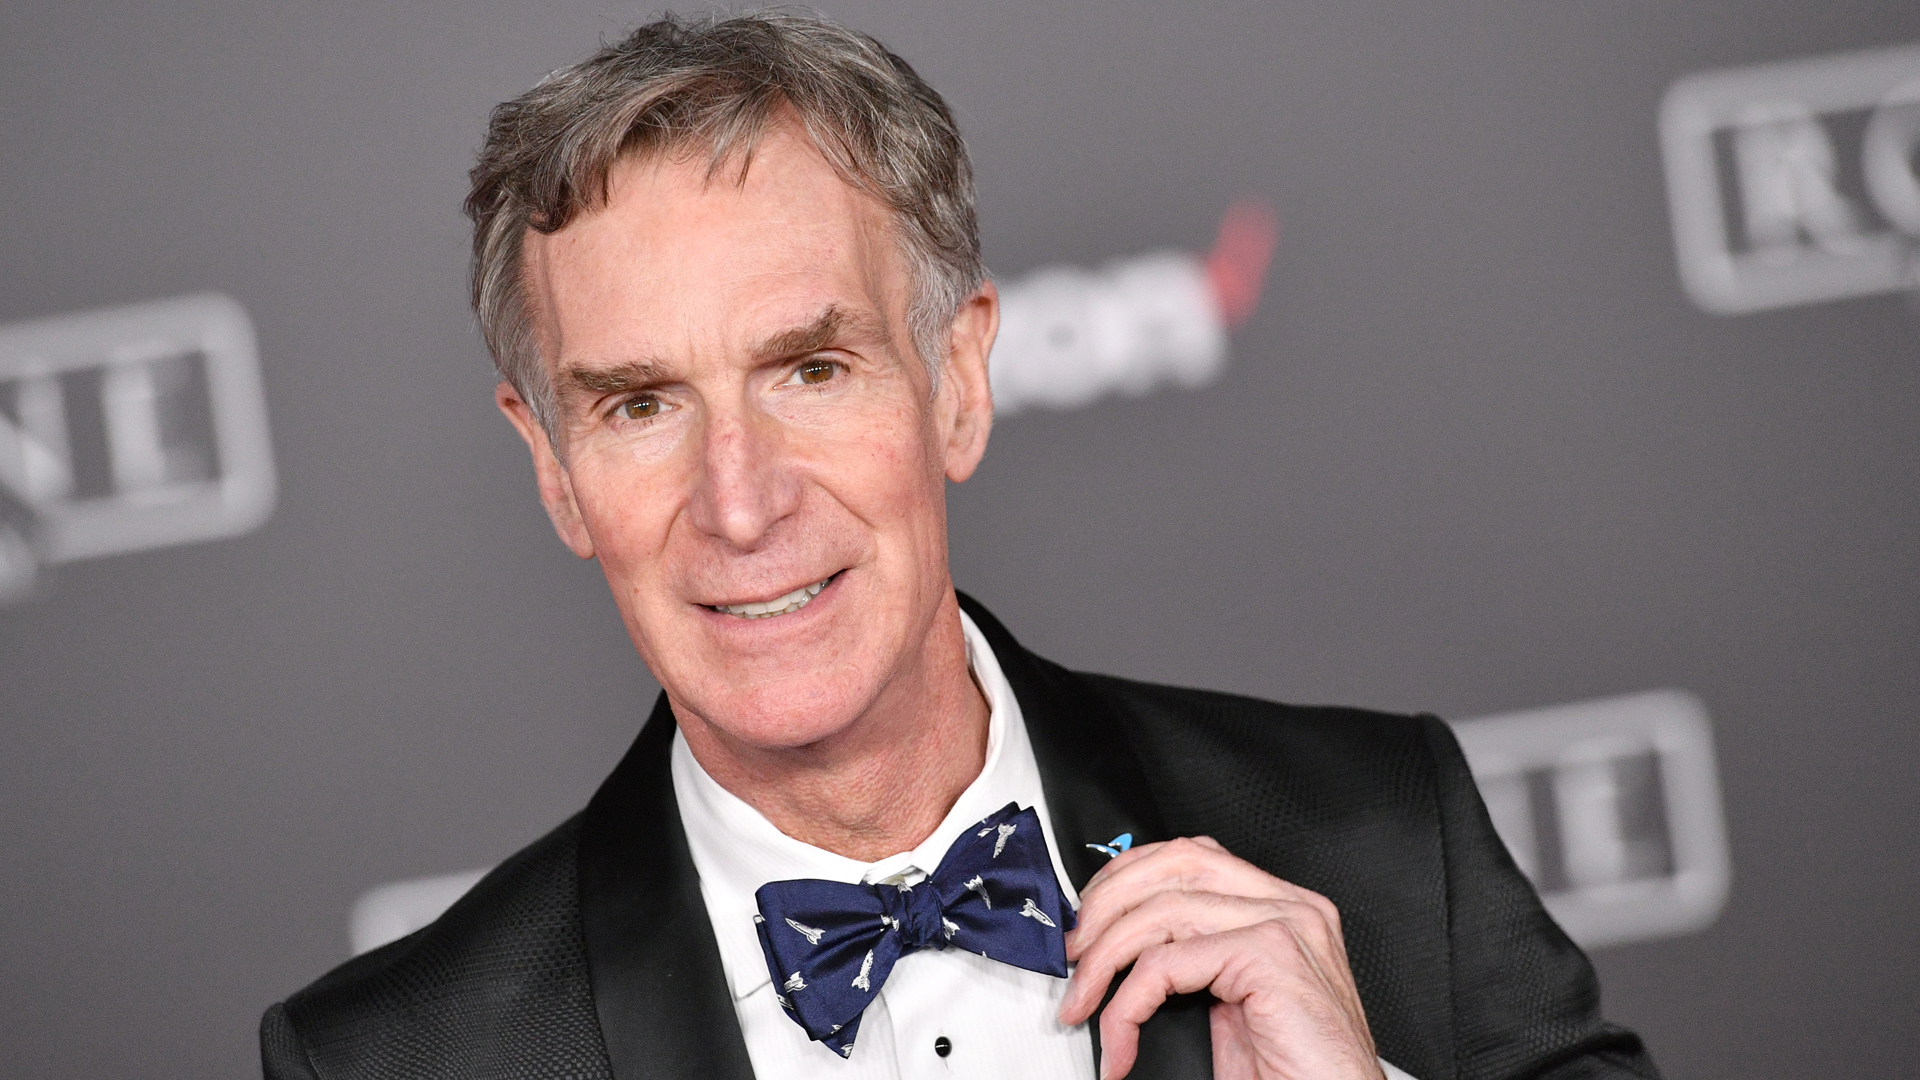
(1229, 713)
(495, 985)
(1276, 769)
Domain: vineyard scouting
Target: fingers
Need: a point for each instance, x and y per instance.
(1197, 864)
(1189, 864)
(1174, 916)
(1133, 855)
(1163, 971)
(1233, 1054)
(1189, 915)
(1278, 1013)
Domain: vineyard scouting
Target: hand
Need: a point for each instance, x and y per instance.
(1190, 916)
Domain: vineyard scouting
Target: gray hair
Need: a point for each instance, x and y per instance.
(719, 83)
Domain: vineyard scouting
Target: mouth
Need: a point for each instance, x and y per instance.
(779, 605)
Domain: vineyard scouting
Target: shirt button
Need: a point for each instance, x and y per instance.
(943, 1046)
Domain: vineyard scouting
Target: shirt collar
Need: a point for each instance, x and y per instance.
(736, 849)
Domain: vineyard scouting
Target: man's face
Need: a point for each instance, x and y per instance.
(744, 422)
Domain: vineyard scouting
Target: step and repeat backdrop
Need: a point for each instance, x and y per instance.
(1552, 368)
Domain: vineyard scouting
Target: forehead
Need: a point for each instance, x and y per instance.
(685, 257)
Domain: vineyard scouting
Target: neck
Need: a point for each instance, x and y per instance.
(882, 784)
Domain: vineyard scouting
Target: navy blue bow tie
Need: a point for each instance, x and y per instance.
(830, 945)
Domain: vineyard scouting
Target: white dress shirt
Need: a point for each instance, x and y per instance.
(994, 1021)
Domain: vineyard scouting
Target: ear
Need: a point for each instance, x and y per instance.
(556, 486)
(969, 404)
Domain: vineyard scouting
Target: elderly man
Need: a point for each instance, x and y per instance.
(730, 274)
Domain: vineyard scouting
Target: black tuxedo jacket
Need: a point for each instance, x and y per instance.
(590, 954)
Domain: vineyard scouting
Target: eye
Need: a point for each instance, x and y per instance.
(640, 408)
(815, 372)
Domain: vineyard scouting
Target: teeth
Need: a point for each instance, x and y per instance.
(785, 605)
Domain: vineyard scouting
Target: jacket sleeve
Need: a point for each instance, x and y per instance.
(1526, 1002)
(282, 1057)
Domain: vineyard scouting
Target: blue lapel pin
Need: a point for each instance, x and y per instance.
(1115, 846)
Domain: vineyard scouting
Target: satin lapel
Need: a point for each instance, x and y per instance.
(1095, 791)
(658, 985)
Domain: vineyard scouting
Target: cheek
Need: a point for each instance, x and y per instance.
(884, 472)
(628, 505)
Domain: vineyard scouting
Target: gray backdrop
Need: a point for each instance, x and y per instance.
(1476, 452)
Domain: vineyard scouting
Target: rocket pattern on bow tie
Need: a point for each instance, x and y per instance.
(830, 945)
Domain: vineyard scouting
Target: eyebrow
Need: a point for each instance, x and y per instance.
(616, 378)
(830, 326)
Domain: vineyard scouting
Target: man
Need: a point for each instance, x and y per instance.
(730, 274)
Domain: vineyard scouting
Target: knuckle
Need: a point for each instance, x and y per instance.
(1278, 955)
(1191, 862)
(1155, 957)
(1186, 847)
(1191, 924)
(1327, 908)
(1329, 918)
(1308, 912)
(1276, 932)
(1319, 911)
(1309, 926)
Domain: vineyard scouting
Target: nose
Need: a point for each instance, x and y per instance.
(745, 487)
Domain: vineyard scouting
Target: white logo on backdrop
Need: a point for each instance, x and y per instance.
(391, 912)
(1610, 807)
(1070, 336)
(126, 429)
(1795, 182)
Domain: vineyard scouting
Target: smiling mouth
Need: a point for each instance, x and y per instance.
(779, 605)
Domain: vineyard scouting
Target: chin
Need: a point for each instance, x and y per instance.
(784, 714)
(807, 692)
